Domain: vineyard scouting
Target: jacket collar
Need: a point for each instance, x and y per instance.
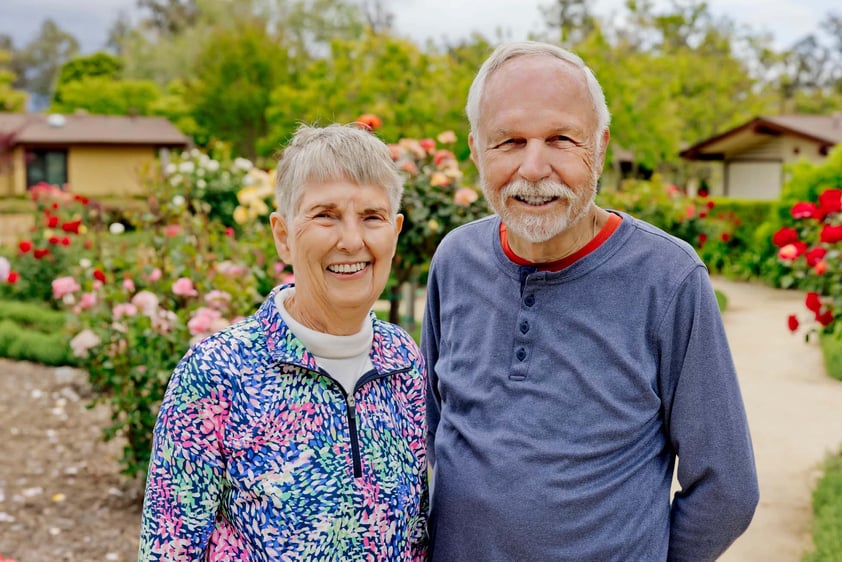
(389, 351)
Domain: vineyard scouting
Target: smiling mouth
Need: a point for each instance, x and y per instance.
(535, 201)
(347, 268)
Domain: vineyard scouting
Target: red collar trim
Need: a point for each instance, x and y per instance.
(610, 226)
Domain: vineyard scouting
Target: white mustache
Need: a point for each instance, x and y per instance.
(542, 189)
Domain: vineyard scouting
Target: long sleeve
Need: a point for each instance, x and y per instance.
(707, 427)
(430, 334)
(186, 468)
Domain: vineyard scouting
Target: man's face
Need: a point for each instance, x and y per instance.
(535, 146)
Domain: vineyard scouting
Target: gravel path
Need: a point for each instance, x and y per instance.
(794, 413)
(62, 499)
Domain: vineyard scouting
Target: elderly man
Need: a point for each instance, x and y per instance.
(574, 353)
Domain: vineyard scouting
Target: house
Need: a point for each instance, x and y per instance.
(96, 155)
(753, 154)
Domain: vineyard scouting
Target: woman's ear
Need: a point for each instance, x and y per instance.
(398, 223)
(280, 232)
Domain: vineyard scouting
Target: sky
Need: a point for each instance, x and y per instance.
(90, 20)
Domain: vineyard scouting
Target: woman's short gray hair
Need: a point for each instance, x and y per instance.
(334, 153)
(514, 49)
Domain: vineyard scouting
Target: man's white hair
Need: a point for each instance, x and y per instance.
(508, 51)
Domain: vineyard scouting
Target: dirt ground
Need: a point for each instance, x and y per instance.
(62, 498)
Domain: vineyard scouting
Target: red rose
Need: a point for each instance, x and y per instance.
(52, 222)
(710, 204)
(702, 239)
(725, 237)
(815, 255)
(831, 234)
(792, 322)
(13, 277)
(830, 201)
(820, 268)
(99, 275)
(53, 240)
(803, 210)
(813, 302)
(785, 236)
(65, 241)
(825, 318)
(428, 144)
(41, 253)
(81, 199)
(72, 226)
(25, 246)
(229, 231)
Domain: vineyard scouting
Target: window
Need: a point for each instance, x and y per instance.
(48, 166)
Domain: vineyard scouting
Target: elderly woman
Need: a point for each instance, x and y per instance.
(298, 433)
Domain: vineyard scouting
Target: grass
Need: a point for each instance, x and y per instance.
(827, 514)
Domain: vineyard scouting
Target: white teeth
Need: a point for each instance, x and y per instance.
(535, 200)
(347, 267)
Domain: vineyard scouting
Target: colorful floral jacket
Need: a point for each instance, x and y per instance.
(260, 455)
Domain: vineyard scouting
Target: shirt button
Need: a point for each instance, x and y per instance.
(524, 327)
(521, 354)
(530, 300)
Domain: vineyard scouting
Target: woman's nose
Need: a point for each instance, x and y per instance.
(351, 236)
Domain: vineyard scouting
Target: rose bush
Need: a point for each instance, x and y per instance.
(147, 295)
(810, 246)
(435, 201)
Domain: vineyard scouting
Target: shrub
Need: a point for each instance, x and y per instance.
(32, 316)
(832, 353)
(26, 344)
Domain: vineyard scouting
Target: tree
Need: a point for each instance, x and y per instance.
(169, 17)
(39, 63)
(11, 100)
(571, 18)
(234, 78)
(98, 65)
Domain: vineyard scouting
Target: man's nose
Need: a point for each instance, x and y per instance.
(535, 165)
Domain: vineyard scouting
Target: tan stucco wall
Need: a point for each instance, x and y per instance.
(107, 170)
(13, 174)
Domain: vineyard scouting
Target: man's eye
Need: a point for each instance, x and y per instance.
(560, 138)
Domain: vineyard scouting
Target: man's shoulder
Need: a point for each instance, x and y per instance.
(653, 239)
(473, 231)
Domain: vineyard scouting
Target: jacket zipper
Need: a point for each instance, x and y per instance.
(355, 440)
(351, 411)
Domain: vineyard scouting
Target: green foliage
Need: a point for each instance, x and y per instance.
(417, 94)
(102, 95)
(234, 80)
(11, 100)
(827, 514)
(32, 345)
(721, 300)
(32, 316)
(832, 353)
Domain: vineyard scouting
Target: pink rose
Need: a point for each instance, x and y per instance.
(64, 286)
(146, 302)
(128, 285)
(154, 275)
(202, 321)
(183, 287)
(83, 342)
(87, 301)
(464, 196)
(218, 300)
(124, 309)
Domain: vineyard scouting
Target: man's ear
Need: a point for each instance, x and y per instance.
(472, 145)
(280, 233)
(603, 150)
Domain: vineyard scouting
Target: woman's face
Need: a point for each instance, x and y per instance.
(340, 243)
